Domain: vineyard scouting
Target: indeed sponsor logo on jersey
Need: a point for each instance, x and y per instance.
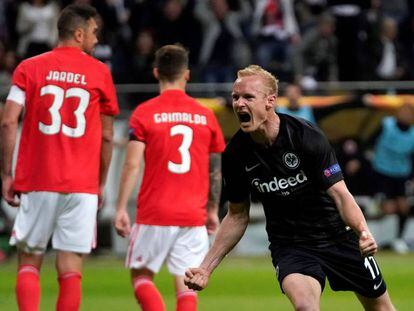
(173, 117)
(68, 77)
(279, 184)
(332, 170)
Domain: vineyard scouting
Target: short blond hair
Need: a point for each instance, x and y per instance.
(254, 70)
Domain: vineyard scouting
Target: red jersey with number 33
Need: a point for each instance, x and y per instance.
(66, 90)
(179, 134)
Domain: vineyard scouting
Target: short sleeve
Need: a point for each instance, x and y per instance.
(235, 185)
(136, 127)
(217, 142)
(109, 102)
(323, 161)
(19, 76)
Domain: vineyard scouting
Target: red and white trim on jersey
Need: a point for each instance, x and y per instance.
(17, 95)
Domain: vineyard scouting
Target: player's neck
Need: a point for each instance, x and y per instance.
(68, 43)
(267, 133)
(176, 85)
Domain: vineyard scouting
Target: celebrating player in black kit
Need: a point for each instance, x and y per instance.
(314, 225)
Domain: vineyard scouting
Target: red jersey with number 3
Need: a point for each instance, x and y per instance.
(66, 90)
(179, 135)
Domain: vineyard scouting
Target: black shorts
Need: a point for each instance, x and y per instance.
(391, 187)
(341, 263)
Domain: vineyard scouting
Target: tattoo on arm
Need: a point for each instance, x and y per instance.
(215, 178)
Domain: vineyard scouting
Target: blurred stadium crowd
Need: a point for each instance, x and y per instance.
(298, 40)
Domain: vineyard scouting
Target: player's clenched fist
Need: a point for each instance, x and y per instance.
(122, 223)
(196, 278)
(9, 194)
(367, 244)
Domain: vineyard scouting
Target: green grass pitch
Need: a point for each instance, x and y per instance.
(239, 284)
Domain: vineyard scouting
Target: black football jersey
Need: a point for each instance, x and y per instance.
(290, 179)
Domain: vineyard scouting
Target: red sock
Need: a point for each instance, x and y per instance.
(147, 294)
(186, 301)
(69, 291)
(28, 288)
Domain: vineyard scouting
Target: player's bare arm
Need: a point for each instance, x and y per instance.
(106, 152)
(231, 231)
(129, 176)
(353, 217)
(9, 126)
(212, 221)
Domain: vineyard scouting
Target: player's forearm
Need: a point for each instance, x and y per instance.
(106, 148)
(212, 208)
(349, 210)
(130, 171)
(231, 231)
(8, 139)
(352, 215)
(215, 183)
(106, 156)
(128, 179)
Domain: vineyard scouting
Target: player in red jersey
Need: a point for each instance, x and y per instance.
(65, 149)
(181, 142)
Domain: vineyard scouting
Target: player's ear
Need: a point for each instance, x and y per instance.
(79, 34)
(271, 101)
(187, 75)
(155, 73)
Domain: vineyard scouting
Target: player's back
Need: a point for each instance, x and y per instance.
(66, 90)
(179, 134)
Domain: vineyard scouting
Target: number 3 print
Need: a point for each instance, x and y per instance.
(184, 166)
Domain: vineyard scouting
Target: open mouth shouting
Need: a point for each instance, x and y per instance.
(244, 117)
